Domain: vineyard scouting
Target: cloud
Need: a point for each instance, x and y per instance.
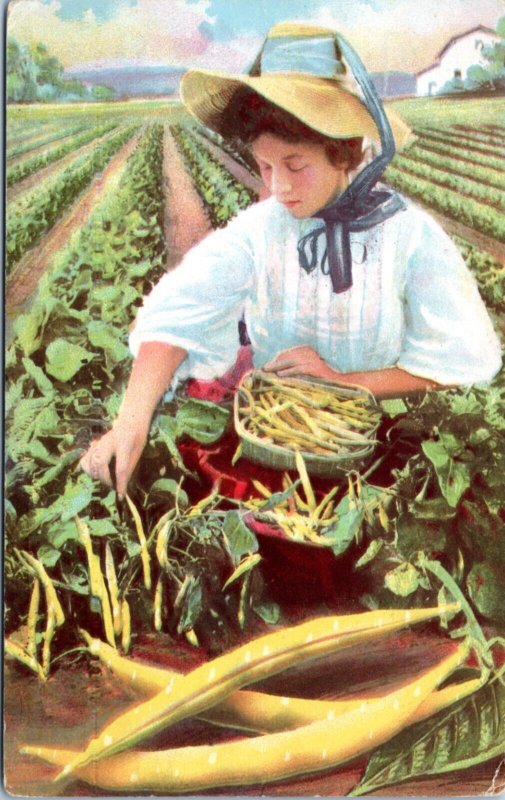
(153, 30)
(226, 34)
(79, 9)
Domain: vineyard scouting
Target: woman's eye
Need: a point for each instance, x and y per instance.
(297, 169)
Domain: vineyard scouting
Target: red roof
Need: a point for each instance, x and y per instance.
(452, 40)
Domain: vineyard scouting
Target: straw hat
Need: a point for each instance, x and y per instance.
(299, 70)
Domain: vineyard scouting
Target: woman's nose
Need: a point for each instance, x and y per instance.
(280, 183)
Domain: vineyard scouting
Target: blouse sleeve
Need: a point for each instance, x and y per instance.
(449, 337)
(198, 304)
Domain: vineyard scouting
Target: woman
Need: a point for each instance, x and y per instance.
(335, 277)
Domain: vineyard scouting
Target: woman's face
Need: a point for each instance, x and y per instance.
(299, 174)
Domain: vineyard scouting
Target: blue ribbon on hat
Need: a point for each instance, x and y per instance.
(360, 206)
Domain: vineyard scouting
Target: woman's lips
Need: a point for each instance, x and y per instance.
(290, 203)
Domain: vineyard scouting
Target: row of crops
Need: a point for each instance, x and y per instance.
(222, 194)
(429, 172)
(30, 217)
(29, 166)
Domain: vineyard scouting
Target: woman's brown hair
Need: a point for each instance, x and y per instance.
(248, 115)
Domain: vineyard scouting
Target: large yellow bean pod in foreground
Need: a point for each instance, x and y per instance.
(258, 712)
(264, 759)
(211, 683)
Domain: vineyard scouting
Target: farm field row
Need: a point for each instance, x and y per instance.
(33, 214)
(32, 164)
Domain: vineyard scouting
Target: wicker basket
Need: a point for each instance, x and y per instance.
(282, 457)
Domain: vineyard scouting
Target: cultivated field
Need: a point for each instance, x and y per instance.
(101, 200)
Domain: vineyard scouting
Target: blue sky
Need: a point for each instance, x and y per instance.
(102, 9)
(226, 34)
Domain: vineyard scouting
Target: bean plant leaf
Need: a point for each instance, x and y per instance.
(279, 498)
(240, 539)
(44, 385)
(202, 421)
(189, 601)
(370, 553)
(164, 487)
(48, 555)
(486, 589)
(269, 612)
(453, 475)
(403, 580)
(103, 336)
(347, 528)
(64, 359)
(394, 406)
(468, 733)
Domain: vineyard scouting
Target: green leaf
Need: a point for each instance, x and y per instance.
(370, 553)
(436, 452)
(453, 476)
(48, 555)
(268, 612)
(240, 539)
(468, 733)
(102, 335)
(64, 359)
(415, 534)
(403, 580)
(61, 532)
(347, 528)
(279, 498)
(38, 375)
(201, 420)
(189, 601)
(101, 527)
(487, 591)
(75, 498)
(167, 486)
(394, 407)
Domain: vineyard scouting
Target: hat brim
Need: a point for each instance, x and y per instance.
(320, 103)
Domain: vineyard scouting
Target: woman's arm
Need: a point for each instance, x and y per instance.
(388, 382)
(151, 374)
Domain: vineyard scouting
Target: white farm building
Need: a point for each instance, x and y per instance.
(460, 52)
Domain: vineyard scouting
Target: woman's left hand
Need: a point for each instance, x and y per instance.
(301, 360)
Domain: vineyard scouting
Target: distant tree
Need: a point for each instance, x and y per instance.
(72, 86)
(21, 73)
(102, 93)
(492, 75)
(49, 69)
(35, 75)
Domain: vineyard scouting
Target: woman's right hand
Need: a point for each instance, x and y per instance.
(125, 443)
(152, 372)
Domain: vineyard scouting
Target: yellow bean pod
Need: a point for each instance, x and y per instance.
(267, 655)
(125, 625)
(48, 637)
(110, 572)
(17, 652)
(253, 711)
(52, 597)
(157, 606)
(144, 552)
(33, 613)
(279, 756)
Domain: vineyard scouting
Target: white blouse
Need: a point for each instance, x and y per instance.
(413, 303)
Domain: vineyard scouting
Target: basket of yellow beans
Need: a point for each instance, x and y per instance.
(333, 425)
